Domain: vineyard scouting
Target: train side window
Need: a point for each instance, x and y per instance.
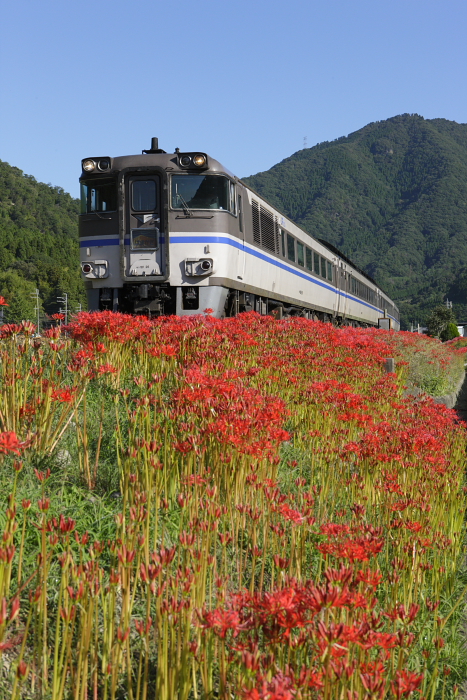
(300, 254)
(143, 195)
(240, 213)
(316, 263)
(309, 259)
(323, 268)
(282, 237)
(290, 247)
(329, 266)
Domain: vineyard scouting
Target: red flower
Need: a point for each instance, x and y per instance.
(405, 683)
(9, 443)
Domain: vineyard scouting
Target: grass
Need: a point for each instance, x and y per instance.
(434, 367)
(244, 508)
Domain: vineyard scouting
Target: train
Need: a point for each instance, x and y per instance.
(177, 233)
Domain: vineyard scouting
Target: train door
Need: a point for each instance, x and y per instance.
(144, 239)
(241, 226)
(341, 284)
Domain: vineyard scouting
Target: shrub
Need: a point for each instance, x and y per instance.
(449, 332)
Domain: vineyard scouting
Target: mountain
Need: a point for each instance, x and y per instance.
(391, 196)
(38, 245)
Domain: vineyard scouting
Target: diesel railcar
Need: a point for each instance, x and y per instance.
(176, 233)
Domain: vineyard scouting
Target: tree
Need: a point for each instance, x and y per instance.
(439, 319)
(451, 331)
(18, 294)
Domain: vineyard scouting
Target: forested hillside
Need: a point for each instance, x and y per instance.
(38, 244)
(393, 197)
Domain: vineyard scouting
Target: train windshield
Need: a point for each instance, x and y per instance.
(98, 196)
(202, 192)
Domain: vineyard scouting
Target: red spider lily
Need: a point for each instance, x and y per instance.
(400, 613)
(68, 614)
(371, 578)
(9, 329)
(22, 670)
(107, 369)
(9, 443)
(126, 556)
(66, 524)
(355, 549)
(405, 683)
(54, 332)
(374, 684)
(14, 611)
(42, 476)
(143, 628)
(27, 327)
(65, 395)
(279, 688)
(3, 302)
(43, 504)
(208, 441)
(58, 317)
(222, 621)
(76, 594)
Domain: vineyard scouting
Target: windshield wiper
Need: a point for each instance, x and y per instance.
(185, 207)
(96, 213)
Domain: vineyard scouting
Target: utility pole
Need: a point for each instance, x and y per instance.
(448, 304)
(35, 296)
(64, 300)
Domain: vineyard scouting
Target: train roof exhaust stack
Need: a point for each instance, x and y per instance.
(154, 146)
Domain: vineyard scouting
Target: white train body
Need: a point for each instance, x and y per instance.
(161, 235)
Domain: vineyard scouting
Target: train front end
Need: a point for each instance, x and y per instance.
(145, 229)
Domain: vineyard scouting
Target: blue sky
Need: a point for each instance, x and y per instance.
(243, 81)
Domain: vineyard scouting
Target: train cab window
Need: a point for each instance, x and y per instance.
(290, 247)
(329, 267)
(143, 195)
(309, 259)
(98, 196)
(323, 267)
(300, 254)
(202, 192)
(316, 263)
(240, 214)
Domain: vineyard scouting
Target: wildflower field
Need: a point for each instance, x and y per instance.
(239, 508)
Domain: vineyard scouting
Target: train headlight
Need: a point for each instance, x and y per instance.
(89, 165)
(104, 164)
(199, 160)
(185, 161)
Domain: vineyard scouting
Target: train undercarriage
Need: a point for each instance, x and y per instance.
(164, 300)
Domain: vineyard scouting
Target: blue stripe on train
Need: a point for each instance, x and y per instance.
(234, 243)
(272, 261)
